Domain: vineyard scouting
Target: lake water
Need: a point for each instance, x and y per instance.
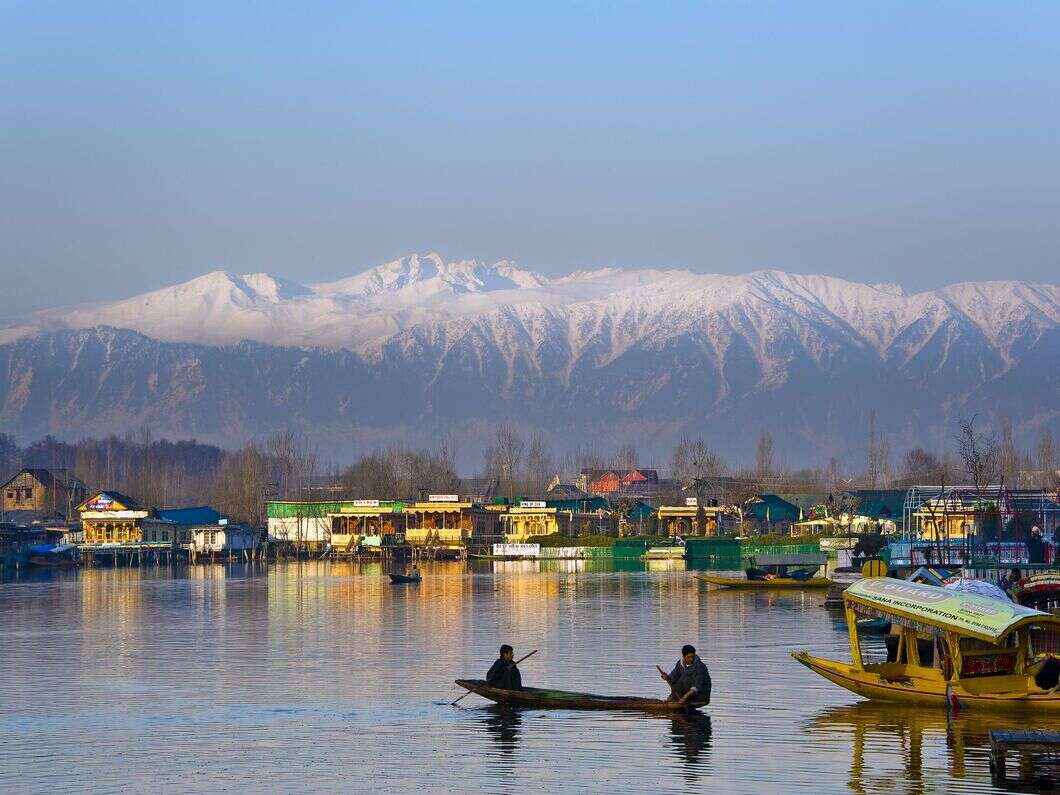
(323, 677)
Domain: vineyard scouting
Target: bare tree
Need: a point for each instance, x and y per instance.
(979, 453)
(10, 457)
(509, 446)
(693, 459)
(764, 456)
(1008, 460)
(538, 463)
(1047, 463)
(239, 485)
(878, 457)
(626, 457)
(295, 463)
(920, 466)
(588, 459)
(844, 509)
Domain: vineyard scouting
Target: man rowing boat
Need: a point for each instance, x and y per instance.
(690, 679)
(504, 673)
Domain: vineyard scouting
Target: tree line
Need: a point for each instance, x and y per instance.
(284, 466)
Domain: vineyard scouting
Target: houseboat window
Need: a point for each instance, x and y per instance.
(11, 495)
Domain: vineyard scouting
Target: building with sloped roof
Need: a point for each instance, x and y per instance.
(771, 513)
(49, 491)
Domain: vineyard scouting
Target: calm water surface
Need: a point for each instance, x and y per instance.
(324, 677)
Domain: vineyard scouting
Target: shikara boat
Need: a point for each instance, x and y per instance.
(775, 582)
(562, 699)
(953, 648)
(777, 571)
(396, 578)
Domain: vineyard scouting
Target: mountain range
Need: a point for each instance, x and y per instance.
(420, 346)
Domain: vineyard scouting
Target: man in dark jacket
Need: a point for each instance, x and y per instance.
(690, 679)
(504, 673)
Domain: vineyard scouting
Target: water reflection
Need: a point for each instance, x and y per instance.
(502, 725)
(259, 677)
(933, 746)
(690, 740)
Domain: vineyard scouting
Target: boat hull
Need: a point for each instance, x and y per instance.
(404, 578)
(562, 699)
(927, 690)
(777, 582)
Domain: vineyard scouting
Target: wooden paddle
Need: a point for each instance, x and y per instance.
(469, 692)
(673, 691)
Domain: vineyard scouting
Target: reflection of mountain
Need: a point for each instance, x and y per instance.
(874, 728)
(421, 344)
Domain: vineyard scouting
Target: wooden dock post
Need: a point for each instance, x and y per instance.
(1027, 743)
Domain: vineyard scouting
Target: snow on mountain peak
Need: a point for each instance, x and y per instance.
(430, 273)
(608, 308)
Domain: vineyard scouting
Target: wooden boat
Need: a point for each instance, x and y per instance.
(406, 578)
(664, 553)
(61, 556)
(874, 626)
(776, 582)
(953, 648)
(777, 571)
(562, 699)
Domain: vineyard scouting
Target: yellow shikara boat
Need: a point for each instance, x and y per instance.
(952, 648)
(773, 571)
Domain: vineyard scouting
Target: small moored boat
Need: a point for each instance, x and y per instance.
(563, 699)
(396, 578)
(672, 551)
(52, 555)
(777, 571)
(953, 648)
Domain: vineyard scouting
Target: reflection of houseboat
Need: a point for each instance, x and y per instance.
(869, 726)
(953, 648)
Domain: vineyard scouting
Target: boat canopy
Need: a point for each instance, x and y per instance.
(806, 559)
(931, 608)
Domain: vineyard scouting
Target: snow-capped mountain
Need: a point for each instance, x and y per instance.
(421, 342)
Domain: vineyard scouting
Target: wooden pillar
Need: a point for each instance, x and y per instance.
(855, 642)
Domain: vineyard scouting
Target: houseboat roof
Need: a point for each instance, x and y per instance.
(804, 559)
(200, 514)
(110, 500)
(965, 613)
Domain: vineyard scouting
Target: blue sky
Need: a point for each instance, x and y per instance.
(143, 144)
